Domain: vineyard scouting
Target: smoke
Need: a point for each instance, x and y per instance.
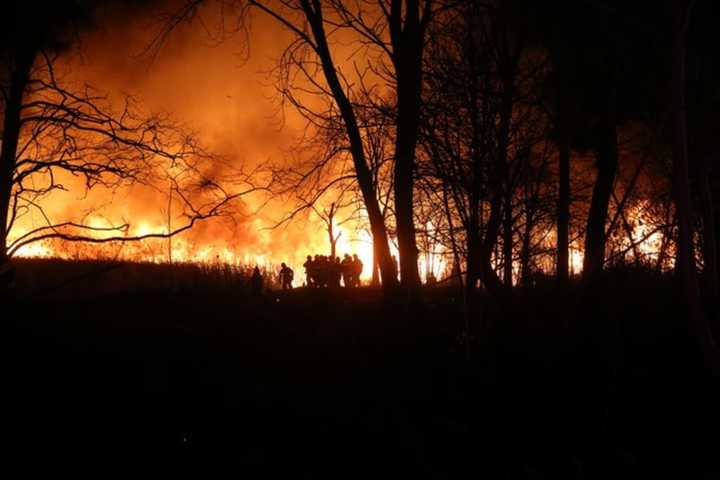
(222, 91)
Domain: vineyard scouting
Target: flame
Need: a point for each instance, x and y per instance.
(36, 250)
(231, 112)
(186, 248)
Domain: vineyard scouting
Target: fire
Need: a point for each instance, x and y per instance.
(35, 250)
(233, 117)
(190, 248)
(359, 244)
(576, 260)
(268, 247)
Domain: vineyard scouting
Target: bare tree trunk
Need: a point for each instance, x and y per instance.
(487, 273)
(633, 244)
(407, 39)
(501, 176)
(716, 222)
(508, 239)
(627, 227)
(362, 171)
(473, 259)
(563, 205)
(169, 223)
(19, 77)
(376, 269)
(504, 187)
(685, 262)
(463, 289)
(525, 248)
(333, 240)
(472, 235)
(329, 217)
(475, 220)
(710, 272)
(451, 230)
(666, 231)
(607, 163)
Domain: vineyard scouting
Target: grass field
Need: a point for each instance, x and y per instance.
(341, 384)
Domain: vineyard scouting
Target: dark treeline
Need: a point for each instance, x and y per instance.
(558, 155)
(535, 131)
(513, 137)
(508, 137)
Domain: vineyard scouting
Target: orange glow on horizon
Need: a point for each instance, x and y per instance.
(232, 109)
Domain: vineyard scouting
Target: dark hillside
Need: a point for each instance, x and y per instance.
(332, 384)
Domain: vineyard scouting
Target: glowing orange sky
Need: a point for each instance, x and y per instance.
(223, 92)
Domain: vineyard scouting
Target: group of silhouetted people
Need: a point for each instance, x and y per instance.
(325, 271)
(257, 282)
(321, 271)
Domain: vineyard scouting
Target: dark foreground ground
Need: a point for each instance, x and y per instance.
(311, 385)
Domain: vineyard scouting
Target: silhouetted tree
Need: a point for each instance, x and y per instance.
(703, 103)
(51, 129)
(26, 29)
(329, 218)
(480, 82)
(685, 261)
(396, 32)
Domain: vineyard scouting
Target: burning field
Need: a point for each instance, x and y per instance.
(242, 138)
(343, 239)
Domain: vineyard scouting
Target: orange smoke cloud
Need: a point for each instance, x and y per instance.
(222, 92)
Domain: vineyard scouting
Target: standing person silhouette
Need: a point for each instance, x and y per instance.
(346, 268)
(309, 273)
(323, 272)
(286, 276)
(336, 272)
(357, 270)
(256, 282)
